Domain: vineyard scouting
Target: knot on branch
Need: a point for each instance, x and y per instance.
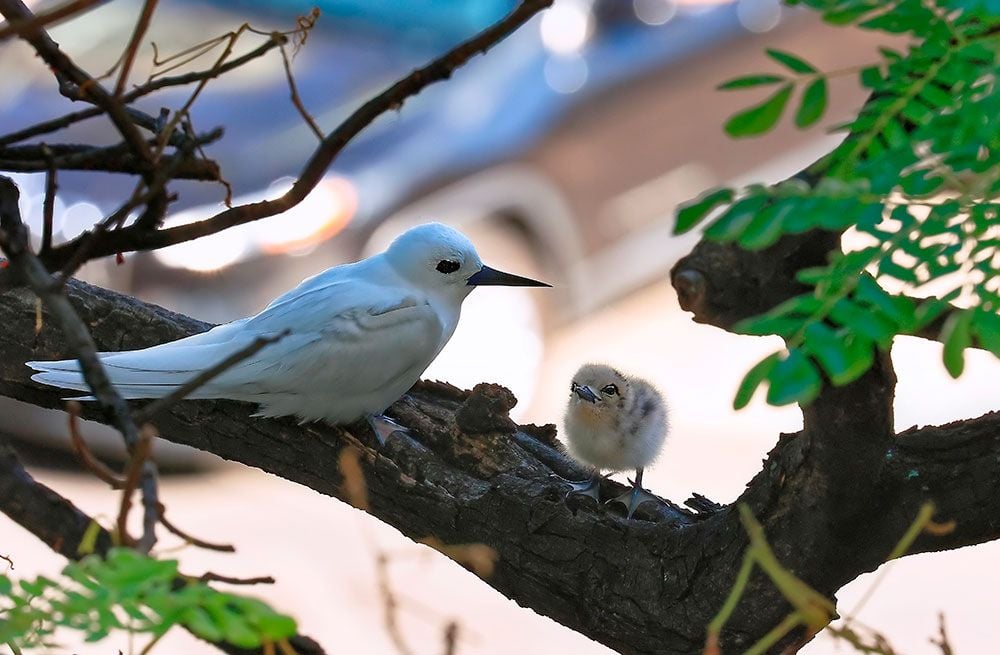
(690, 286)
(487, 410)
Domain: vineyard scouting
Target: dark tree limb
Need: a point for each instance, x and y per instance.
(62, 525)
(468, 474)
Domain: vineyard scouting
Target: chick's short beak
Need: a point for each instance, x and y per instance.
(487, 276)
(584, 393)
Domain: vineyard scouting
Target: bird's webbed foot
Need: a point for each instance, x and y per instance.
(383, 427)
(632, 499)
(590, 487)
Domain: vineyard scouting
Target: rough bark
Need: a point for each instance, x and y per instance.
(833, 499)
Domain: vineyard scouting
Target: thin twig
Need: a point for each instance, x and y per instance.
(110, 159)
(91, 463)
(194, 541)
(86, 88)
(48, 206)
(136, 465)
(451, 638)
(296, 100)
(148, 7)
(135, 237)
(390, 605)
(140, 118)
(178, 394)
(215, 577)
(68, 10)
(14, 241)
(10, 562)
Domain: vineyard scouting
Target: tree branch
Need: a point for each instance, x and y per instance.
(468, 474)
(137, 237)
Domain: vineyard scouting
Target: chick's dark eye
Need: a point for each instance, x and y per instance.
(610, 390)
(448, 266)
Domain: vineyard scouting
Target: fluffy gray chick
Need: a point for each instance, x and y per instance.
(614, 422)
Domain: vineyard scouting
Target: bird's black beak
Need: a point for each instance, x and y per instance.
(584, 392)
(491, 277)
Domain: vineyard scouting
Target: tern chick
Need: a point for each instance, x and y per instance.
(614, 422)
(358, 336)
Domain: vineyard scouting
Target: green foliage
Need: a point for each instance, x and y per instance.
(132, 592)
(917, 178)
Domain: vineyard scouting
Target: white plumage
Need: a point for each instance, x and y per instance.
(359, 336)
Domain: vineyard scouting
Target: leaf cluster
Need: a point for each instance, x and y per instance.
(135, 593)
(916, 182)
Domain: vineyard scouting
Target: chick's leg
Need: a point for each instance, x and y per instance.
(638, 496)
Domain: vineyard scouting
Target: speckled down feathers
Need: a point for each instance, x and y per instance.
(621, 431)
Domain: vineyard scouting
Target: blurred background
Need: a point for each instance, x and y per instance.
(562, 153)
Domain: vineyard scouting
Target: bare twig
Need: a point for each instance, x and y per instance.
(451, 638)
(54, 15)
(86, 88)
(48, 207)
(215, 577)
(296, 100)
(148, 7)
(194, 541)
(353, 482)
(160, 404)
(942, 641)
(136, 238)
(390, 605)
(91, 463)
(10, 562)
(110, 159)
(137, 461)
(14, 243)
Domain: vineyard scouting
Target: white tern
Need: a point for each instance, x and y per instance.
(614, 422)
(359, 336)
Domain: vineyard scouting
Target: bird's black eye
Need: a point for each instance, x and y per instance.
(448, 266)
(610, 390)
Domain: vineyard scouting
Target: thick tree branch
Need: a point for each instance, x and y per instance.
(468, 474)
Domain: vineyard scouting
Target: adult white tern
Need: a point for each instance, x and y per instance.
(359, 336)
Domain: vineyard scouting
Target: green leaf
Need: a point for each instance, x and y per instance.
(748, 81)
(198, 621)
(867, 323)
(759, 118)
(986, 326)
(766, 227)
(790, 61)
(733, 222)
(692, 213)
(843, 357)
(899, 309)
(794, 379)
(956, 336)
(752, 380)
(813, 103)
(871, 77)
